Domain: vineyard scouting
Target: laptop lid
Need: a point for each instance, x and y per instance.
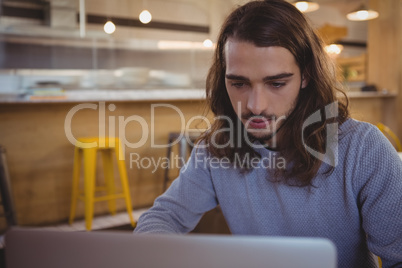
(56, 249)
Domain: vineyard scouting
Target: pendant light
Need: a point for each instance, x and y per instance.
(306, 6)
(362, 14)
(208, 43)
(145, 16)
(109, 27)
(333, 49)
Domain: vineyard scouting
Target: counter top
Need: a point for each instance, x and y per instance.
(370, 94)
(137, 95)
(110, 95)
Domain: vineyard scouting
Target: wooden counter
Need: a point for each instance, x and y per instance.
(40, 156)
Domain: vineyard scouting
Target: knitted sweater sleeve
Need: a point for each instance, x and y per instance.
(378, 184)
(180, 208)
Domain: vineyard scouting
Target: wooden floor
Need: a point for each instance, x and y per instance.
(212, 222)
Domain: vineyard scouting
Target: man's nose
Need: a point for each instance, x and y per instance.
(257, 101)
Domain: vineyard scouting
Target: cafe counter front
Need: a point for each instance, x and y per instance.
(39, 136)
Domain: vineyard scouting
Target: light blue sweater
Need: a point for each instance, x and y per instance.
(358, 206)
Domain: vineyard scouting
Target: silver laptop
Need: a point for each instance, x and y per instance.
(54, 249)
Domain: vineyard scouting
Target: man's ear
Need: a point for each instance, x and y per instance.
(305, 80)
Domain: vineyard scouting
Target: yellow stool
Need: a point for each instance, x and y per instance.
(86, 149)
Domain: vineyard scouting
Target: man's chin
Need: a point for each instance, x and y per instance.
(260, 135)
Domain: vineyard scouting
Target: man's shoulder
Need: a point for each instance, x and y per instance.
(355, 128)
(358, 135)
(355, 125)
(201, 147)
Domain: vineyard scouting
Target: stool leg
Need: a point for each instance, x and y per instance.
(166, 177)
(124, 182)
(7, 200)
(89, 179)
(109, 178)
(75, 186)
(182, 152)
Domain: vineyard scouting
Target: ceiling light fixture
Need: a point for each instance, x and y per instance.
(109, 27)
(208, 43)
(306, 6)
(334, 49)
(362, 14)
(145, 16)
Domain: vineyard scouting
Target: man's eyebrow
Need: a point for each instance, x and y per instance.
(236, 77)
(278, 76)
(267, 78)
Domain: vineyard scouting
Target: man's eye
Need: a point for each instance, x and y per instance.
(238, 84)
(277, 84)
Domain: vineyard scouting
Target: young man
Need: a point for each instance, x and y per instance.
(283, 158)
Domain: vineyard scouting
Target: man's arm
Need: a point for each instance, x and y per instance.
(379, 187)
(180, 208)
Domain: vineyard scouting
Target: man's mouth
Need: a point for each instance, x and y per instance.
(259, 122)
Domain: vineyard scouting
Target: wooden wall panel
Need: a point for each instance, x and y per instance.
(384, 57)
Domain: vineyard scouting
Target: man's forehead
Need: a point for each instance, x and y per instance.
(241, 56)
(233, 41)
(244, 47)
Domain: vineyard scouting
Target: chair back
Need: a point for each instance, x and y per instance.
(388, 132)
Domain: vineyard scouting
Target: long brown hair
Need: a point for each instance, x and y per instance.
(276, 23)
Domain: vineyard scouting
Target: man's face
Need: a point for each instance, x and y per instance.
(263, 84)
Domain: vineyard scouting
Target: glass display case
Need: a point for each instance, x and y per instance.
(44, 50)
(89, 63)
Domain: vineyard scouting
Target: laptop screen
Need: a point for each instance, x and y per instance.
(50, 249)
